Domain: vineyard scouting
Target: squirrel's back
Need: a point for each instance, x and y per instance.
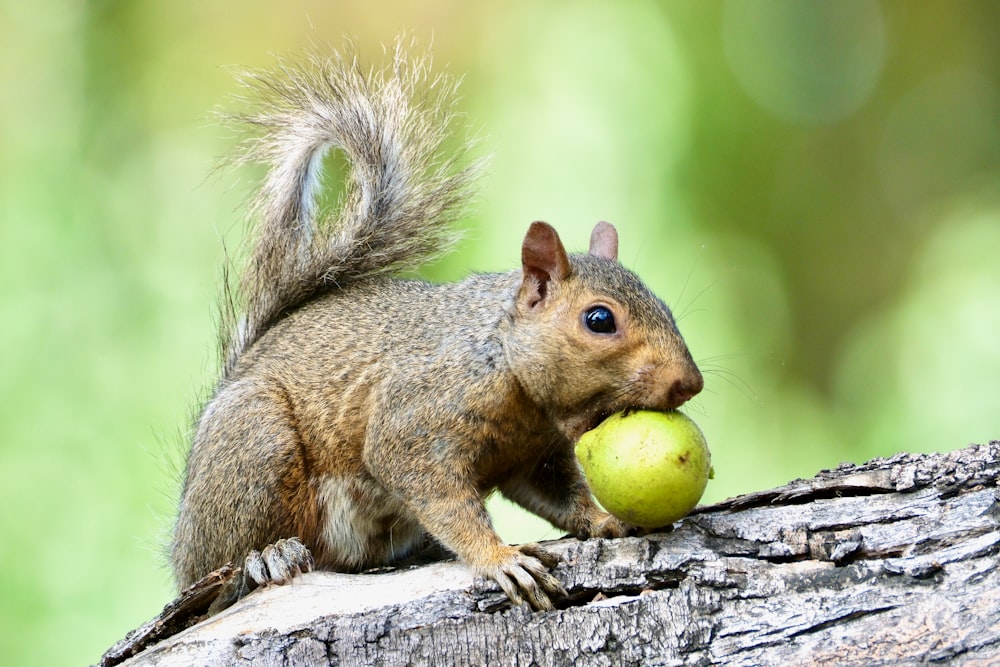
(381, 318)
(401, 194)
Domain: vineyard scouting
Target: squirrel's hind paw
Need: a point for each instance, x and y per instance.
(278, 562)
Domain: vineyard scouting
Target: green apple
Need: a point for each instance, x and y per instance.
(647, 468)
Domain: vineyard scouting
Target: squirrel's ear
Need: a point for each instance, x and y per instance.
(604, 241)
(543, 259)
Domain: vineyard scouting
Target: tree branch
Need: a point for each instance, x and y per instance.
(891, 562)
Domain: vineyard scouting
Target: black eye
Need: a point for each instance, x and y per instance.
(600, 320)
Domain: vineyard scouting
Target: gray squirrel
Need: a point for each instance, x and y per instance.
(362, 418)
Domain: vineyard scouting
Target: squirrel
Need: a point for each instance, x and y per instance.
(362, 417)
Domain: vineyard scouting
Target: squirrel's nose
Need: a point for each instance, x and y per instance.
(685, 387)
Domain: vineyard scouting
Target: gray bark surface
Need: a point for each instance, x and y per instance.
(893, 562)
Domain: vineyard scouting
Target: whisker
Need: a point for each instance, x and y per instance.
(687, 280)
(732, 379)
(722, 357)
(696, 407)
(687, 310)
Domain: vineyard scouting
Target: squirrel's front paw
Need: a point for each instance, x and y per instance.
(608, 525)
(278, 562)
(523, 574)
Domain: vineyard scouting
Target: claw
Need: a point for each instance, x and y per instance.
(255, 568)
(606, 525)
(278, 563)
(523, 574)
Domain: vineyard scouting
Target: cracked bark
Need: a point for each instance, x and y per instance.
(891, 562)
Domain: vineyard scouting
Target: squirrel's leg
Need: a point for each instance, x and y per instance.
(233, 506)
(557, 491)
(436, 475)
(449, 507)
(459, 520)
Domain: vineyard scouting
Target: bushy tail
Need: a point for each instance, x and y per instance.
(400, 198)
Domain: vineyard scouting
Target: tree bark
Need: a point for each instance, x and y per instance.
(893, 562)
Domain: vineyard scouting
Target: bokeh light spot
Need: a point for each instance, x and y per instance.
(809, 62)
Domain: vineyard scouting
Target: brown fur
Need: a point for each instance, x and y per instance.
(364, 413)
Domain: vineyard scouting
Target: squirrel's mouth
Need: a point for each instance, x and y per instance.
(589, 419)
(598, 418)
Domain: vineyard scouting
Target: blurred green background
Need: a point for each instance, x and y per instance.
(812, 186)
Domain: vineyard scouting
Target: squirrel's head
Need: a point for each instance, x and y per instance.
(589, 338)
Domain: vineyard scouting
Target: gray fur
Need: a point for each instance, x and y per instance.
(401, 194)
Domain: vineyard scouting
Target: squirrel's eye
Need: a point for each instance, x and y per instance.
(600, 320)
